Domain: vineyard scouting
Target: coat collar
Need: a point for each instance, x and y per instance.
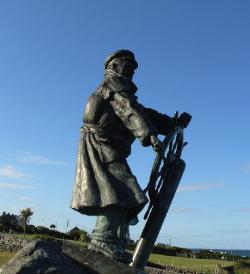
(120, 82)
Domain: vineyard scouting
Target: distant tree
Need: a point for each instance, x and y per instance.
(25, 217)
(30, 229)
(161, 245)
(43, 230)
(9, 222)
(75, 233)
(84, 236)
(79, 235)
(161, 248)
(52, 226)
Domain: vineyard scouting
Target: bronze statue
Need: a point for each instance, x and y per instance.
(104, 185)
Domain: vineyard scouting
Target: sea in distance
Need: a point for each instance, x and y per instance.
(234, 252)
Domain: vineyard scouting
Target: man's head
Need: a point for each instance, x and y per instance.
(122, 62)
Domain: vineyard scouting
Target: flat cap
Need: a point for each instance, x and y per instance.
(122, 53)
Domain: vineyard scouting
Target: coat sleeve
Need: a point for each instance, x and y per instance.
(162, 122)
(131, 113)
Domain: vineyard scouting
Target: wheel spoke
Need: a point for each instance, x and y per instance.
(173, 145)
(170, 150)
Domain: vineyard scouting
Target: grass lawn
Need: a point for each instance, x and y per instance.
(5, 257)
(188, 263)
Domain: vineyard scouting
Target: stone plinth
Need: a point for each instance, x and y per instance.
(63, 258)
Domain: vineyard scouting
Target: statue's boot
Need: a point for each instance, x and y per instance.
(110, 250)
(105, 238)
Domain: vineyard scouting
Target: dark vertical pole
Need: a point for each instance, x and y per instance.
(158, 214)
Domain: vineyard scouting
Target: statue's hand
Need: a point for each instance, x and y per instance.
(184, 119)
(156, 144)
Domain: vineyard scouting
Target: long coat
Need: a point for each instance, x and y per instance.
(112, 120)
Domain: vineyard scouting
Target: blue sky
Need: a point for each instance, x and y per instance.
(193, 56)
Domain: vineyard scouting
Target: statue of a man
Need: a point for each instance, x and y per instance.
(105, 186)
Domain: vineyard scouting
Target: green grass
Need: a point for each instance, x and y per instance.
(242, 267)
(5, 257)
(35, 236)
(188, 263)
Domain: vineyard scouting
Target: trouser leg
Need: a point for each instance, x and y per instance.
(109, 234)
(106, 228)
(122, 232)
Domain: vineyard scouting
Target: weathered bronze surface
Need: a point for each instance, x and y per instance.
(105, 185)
